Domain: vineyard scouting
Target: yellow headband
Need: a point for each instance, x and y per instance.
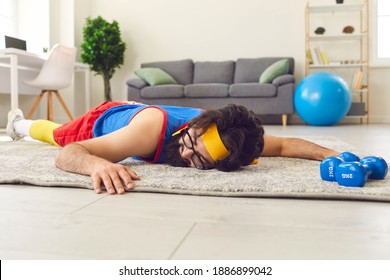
(213, 143)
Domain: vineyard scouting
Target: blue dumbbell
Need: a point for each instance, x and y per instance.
(356, 174)
(348, 157)
(329, 164)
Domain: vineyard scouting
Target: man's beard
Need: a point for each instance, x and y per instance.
(172, 155)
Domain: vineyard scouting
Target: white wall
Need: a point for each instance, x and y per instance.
(33, 24)
(201, 30)
(380, 95)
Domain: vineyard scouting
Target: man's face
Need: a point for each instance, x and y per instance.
(188, 150)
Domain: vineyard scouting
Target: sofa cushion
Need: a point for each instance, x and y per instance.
(136, 83)
(206, 90)
(214, 72)
(163, 91)
(276, 69)
(284, 79)
(248, 70)
(180, 70)
(155, 76)
(252, 90)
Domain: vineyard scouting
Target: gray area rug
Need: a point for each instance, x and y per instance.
(32, 163)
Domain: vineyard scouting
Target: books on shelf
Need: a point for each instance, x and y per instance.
(324, 57)
(359, 80)
(364, 82)
(317, 56)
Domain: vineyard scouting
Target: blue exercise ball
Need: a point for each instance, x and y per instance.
(322, 98)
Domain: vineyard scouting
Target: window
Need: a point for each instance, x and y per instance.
(7, 17)
(7, 20)
(381, 38)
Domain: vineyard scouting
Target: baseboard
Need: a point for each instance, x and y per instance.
(296, 120)
(379, 119)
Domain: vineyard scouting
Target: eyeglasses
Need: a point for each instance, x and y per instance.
(195, 157)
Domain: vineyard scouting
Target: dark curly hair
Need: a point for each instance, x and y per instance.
(241, 131)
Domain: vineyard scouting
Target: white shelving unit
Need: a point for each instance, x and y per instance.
(338, 42)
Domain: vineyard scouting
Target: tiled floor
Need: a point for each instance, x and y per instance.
(61, 223)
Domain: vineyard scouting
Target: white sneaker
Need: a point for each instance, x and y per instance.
(14, 115)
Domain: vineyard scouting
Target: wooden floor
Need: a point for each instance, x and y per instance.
(61, 223)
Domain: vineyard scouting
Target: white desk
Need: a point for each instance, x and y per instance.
(16, 60)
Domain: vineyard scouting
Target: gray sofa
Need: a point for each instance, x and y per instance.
(212, 85)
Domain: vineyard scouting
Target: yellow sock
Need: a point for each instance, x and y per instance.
(42, 130)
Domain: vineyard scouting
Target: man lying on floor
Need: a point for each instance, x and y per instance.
(225, 139)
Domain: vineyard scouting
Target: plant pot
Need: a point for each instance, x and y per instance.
(339, 1)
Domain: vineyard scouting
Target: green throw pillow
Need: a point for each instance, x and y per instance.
(278, 68)
(155, 76)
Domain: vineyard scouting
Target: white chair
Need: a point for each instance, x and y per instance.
(56, 73)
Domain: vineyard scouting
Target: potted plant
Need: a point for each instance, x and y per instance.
(103, 49)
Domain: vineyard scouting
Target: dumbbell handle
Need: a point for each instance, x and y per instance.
(348, 157)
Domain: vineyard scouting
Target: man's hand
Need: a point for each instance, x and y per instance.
(115, 178)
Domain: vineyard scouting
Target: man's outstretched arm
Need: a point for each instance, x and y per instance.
(97, 157)
(295, 148)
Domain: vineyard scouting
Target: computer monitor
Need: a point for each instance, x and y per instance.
(16, 43)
